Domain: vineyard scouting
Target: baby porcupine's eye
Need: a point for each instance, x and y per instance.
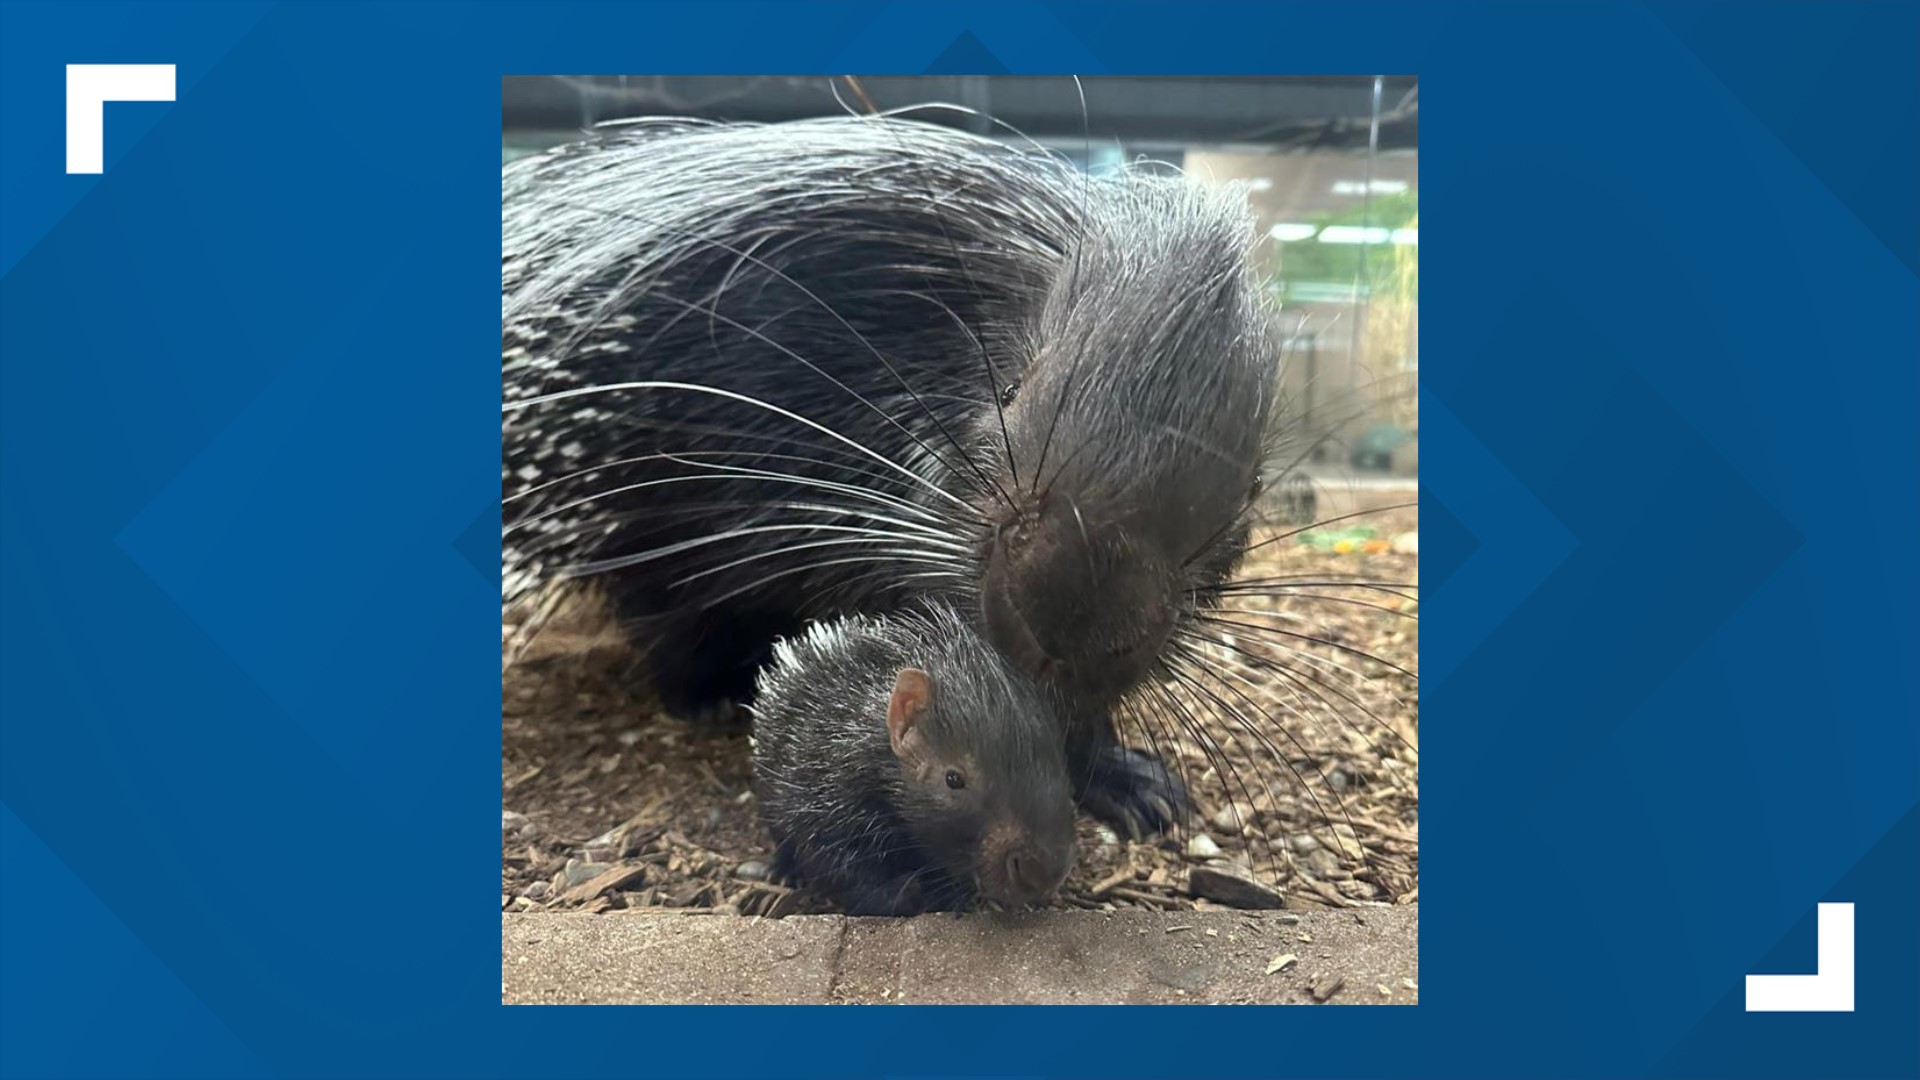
(955, 780)
(1007, 394)
(1259, 486)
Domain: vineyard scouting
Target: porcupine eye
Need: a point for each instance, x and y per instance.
(955, 780)
(1259, 485)
(1007, 393)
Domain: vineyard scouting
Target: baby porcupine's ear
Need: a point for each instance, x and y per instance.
(912, 692)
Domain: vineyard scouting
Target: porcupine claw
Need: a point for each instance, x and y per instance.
(1133, 791)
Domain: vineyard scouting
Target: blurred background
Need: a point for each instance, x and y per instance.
(1332, 164)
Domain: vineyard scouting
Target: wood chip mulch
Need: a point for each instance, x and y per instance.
(609, 806)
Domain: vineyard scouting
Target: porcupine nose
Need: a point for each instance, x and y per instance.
(1072, 599)
(1033, 875)
(1030, 873)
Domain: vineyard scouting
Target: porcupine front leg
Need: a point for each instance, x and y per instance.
(1131, 790)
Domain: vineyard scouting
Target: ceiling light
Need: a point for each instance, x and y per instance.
(1359, 187)
(1352, 234)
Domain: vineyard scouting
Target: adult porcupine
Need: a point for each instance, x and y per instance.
(761, 374)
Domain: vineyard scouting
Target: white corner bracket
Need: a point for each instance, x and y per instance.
(89, 88)
(1829, 988)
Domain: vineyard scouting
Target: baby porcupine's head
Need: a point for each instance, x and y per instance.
(917, 712)
(1133, 443)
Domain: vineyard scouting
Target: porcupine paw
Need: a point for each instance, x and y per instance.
(1135, 792)
(720, 714)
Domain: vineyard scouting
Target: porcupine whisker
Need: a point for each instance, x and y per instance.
(1261, 585)
(835, 521)
(932, 515)
(1298, 681)
(1241, 671)
(1319, 664)
(744, 399)
(1153, 744)
(550, 512)
(1170, 726)
(1324, 522)
(815, 566)
(1328, 642)
(621, 562)
(713, 312)
(1323, 598)
(1218, 759)
(1195, 678)
(790, 549)
(1284, 436)
(1240, 718)
(642, 459)
(805, 529)
(890, 575)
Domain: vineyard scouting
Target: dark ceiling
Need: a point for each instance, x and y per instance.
(1278, 112)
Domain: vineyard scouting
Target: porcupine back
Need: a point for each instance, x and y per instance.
(779, 265)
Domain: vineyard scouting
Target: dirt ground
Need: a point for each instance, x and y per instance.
(608, 805)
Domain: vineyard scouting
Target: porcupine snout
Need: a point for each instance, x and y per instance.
(1073, 601)
(1022, 862)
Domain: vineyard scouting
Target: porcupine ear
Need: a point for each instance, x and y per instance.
(911, 693)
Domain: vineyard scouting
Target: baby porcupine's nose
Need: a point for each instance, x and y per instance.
(1019, 867)
(1031, 874)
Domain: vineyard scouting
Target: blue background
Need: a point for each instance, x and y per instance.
(247, 399)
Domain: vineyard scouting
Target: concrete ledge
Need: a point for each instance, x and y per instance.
(1364, 956)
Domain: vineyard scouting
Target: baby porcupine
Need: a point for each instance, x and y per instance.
(903, 766)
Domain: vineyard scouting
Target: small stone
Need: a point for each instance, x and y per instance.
(713, 817)
(511, 821)
(751, 870)
(1201, 846)
(1227, 885)
(1228, 820)
(1410, 984)
(1211, 932)
(536, 891)
(1108, 838)
(609, 879)
(1281, 963)
(1327, 985)
(579, 873)
(1325, 865)
(1301, 843)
